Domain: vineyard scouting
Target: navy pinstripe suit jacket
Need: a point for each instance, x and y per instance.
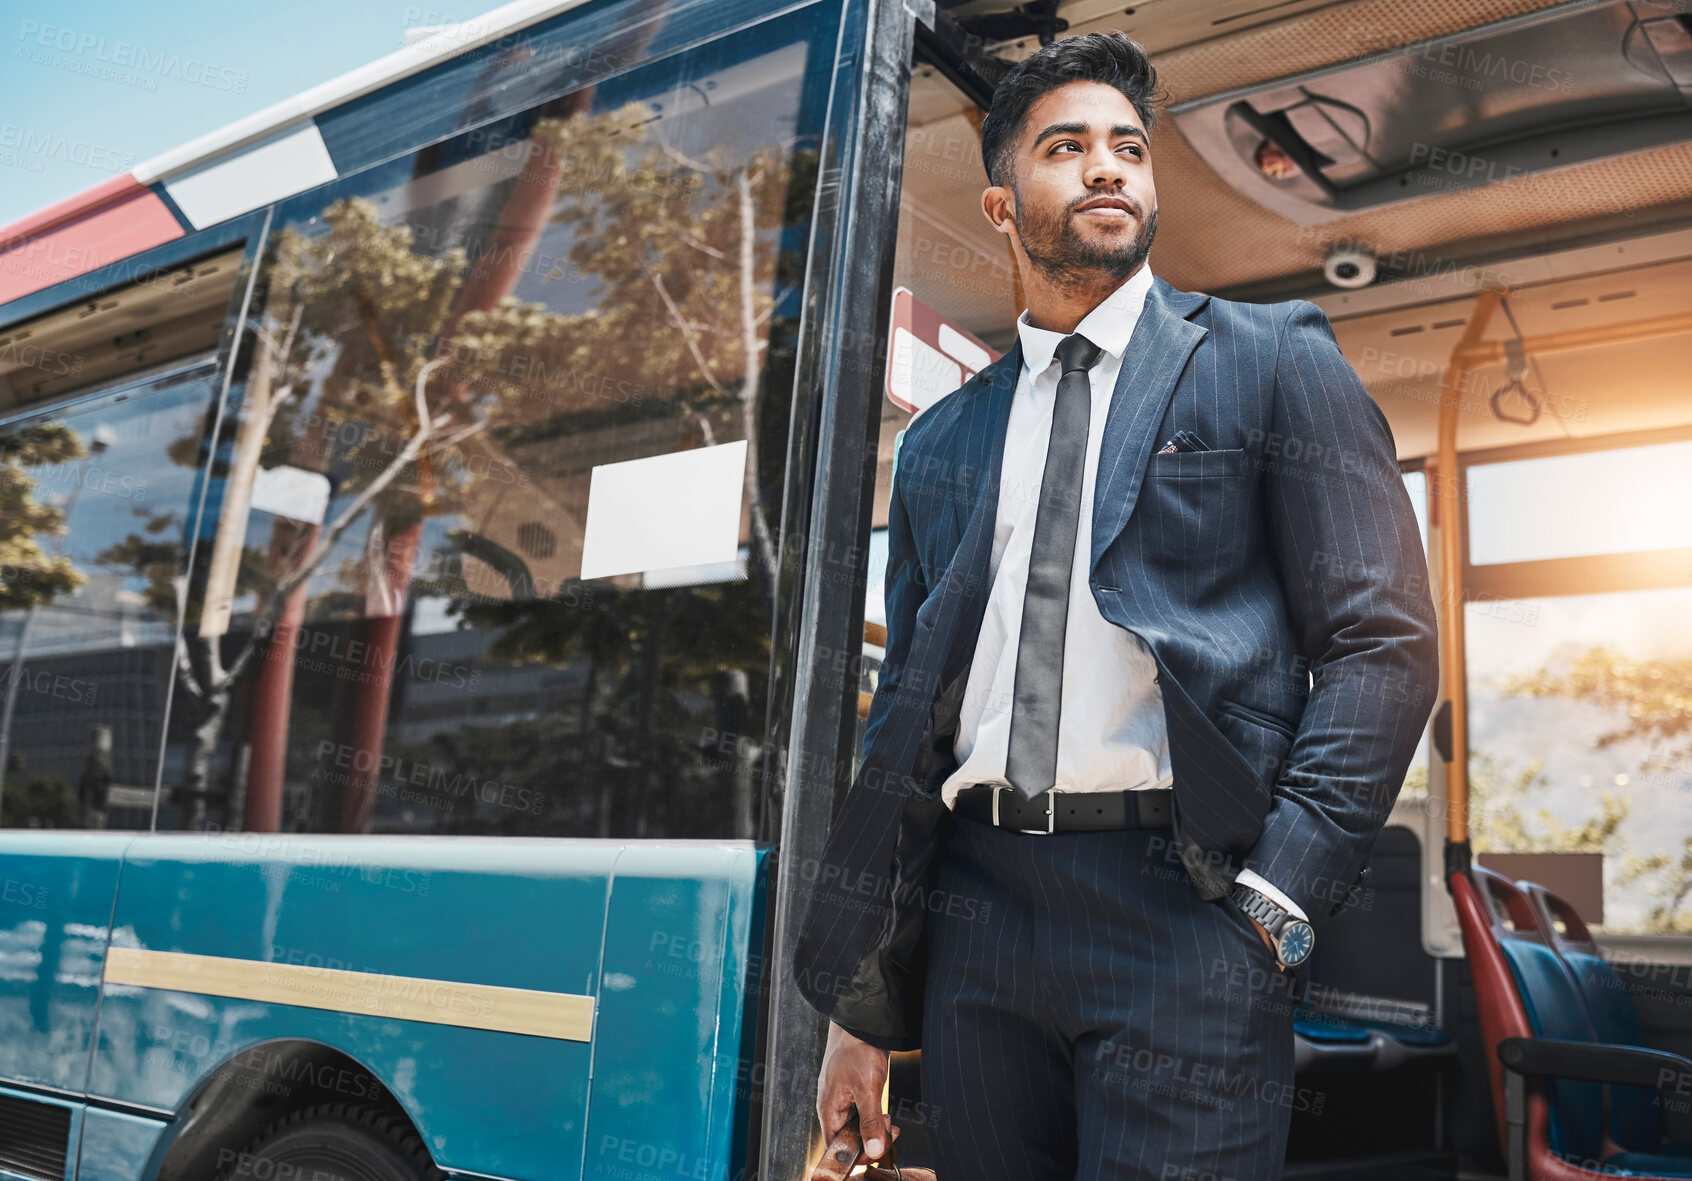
(1278, 580)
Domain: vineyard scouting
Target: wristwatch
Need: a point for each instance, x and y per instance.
(1294, 939)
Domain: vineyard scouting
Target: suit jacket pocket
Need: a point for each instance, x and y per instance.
(1230, 461)
(1261, 717)
(1261, 738)
(1195, 525)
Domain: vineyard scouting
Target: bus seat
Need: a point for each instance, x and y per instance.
(1324, 1043)
(1536, 1030)
(1321, 1029)
(1363, 1010)
(1324, 1040)
(1636, 1113)
(1366, 1035)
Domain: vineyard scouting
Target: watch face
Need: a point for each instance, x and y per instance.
(1297, 941)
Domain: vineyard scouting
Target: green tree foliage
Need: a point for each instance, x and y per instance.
(1654, 697)
(29, 575)
(37, 801)
(1654, 701)
(1498, 822)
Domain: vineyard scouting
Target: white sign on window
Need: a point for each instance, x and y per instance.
(680, 509)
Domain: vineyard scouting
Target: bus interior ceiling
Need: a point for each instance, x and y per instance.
(1590, 246)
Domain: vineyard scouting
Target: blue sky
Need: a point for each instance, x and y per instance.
(88, 88)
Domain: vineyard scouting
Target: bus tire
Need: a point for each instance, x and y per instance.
(341, 1141)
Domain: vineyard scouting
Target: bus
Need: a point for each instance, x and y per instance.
(444, 535)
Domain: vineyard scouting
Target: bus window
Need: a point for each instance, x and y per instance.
(1578, 659)
(499, 537)
(98, 466)
(1416, 778)
(1547, 507)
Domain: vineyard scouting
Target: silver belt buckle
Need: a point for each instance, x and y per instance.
(1051, 813)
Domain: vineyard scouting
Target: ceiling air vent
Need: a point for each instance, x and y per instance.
(1487, 106)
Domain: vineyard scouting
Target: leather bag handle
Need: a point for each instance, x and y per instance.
(846, 1150)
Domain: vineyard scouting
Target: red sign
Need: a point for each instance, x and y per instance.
(928, 358)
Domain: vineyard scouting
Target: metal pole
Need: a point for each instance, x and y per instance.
(1491, 352)
(1447, 505)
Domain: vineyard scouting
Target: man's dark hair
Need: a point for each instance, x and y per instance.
(1113, 59)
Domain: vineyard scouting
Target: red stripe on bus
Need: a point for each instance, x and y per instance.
(98, 226)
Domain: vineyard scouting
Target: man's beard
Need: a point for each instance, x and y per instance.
(1067, 262)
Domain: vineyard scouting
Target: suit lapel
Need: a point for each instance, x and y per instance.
(977, 445)
(977, 453)
(1157, 353)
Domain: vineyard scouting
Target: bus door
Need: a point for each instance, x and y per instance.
(1543, 313)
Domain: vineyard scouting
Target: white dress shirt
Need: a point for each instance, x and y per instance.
(1111, 733)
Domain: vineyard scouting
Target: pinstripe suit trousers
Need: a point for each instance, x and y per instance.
(1089, 1016)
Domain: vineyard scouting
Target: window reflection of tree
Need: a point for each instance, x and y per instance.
(475, 408)
(83, 696)
(31, 577)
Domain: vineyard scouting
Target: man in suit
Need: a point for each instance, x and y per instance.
(1159, 650)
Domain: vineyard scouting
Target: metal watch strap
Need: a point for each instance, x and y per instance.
(1279, 923)
(1262, 908)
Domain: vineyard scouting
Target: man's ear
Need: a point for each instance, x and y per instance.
(998, 205)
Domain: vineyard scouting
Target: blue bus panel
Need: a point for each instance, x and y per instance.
(655, 939)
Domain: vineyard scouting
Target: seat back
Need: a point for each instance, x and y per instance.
(1523, 989)
(1636, 1114)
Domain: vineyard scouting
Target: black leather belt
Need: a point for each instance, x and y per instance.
(1065, 811)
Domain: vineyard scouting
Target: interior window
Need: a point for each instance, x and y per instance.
(1416, 778)
(957, 268)
(1545, 507)
(1579, 740)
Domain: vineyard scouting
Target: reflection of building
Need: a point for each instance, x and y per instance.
(102, 613)
(447, 686)
(94, 661)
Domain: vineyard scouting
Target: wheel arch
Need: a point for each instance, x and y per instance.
(255, 1086)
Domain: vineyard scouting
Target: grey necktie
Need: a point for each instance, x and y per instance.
(1031, 762)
